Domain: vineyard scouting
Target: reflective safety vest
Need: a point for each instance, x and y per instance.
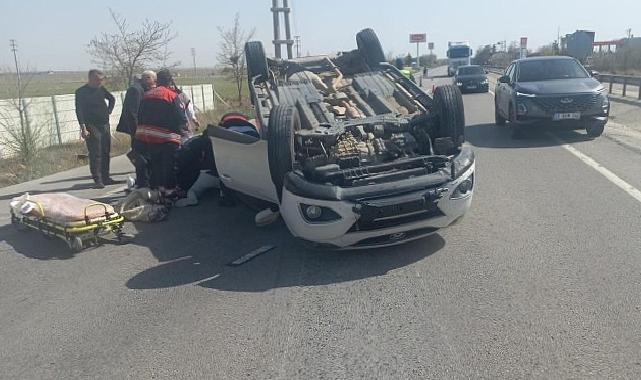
(406, 73)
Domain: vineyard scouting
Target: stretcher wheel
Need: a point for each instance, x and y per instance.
(75, 243)
(20, 227)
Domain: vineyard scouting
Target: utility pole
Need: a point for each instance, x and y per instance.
(277, 10)
(297, 44)
(629, 32)
(14, 49)
(193, 56)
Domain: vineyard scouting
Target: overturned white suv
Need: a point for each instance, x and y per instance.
(353, 153)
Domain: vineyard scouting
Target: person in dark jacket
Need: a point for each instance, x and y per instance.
(92, 112)
(161, 126)
(129, 115)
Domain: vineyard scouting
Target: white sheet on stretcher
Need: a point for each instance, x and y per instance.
(60, 208)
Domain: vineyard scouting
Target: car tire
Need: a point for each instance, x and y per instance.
(370, 48)
(256, 61)
(448, 103)
(498, 119)
(516, 131)
(595, 130)
(284, 121)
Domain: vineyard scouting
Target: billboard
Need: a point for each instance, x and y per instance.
(523, 42)
(418, 37)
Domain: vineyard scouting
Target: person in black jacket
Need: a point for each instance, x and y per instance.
(129, 115)
(93, 113)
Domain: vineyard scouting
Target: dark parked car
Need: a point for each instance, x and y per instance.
(555, 92)
(471, 78)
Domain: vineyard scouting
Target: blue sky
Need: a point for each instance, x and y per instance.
(53, 34)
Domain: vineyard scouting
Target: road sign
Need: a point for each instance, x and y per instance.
(523, 42)
(523, 47)
(430, 45)
(418, 37)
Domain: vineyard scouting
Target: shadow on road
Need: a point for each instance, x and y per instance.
(35, 245)
(81, 178)
(494, 136)
(77, 186)
(199, 252)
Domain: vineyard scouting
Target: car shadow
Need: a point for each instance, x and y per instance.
(200, 254)
(494, 136)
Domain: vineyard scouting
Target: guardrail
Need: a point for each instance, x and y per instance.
(625, 80)
(609, 79)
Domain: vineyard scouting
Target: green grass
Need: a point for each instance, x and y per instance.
(67, 156)
(66, 82)
(54, 159)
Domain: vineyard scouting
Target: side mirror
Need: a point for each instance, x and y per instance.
(595, 74)
(504, 79)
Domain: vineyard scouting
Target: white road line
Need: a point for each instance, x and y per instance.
(491, 92)
(610, 176)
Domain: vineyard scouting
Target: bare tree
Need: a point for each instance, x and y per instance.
(232, 51)
(18, 135)
(128, 51)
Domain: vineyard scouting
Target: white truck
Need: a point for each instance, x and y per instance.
(458, 54)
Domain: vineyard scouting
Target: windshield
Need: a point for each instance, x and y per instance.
(459, 52)
(471, 70)
(540, 70)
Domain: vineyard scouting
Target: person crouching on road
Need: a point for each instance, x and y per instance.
(161, 125)
(93, 113)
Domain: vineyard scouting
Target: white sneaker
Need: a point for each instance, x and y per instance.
(266, 217)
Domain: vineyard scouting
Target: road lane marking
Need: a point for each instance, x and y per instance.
(491, 92)
(610, 176)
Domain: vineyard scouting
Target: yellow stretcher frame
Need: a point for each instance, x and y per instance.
(77, 232)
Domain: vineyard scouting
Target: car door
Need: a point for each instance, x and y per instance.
(502, 93)
(510, 92)
(242, 163)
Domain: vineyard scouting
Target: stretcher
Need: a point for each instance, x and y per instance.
(79, 222)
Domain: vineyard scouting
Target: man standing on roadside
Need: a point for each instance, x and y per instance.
(129, 115)
(93, 116)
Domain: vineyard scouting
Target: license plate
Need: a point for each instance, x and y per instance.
(567, 116)
(472, 87)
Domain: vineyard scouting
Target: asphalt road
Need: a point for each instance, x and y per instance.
(542, 279)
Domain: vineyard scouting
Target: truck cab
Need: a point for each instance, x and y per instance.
(458, 54)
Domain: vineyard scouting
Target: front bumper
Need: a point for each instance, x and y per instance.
(535, 111)
(382, 220)
(473, 86)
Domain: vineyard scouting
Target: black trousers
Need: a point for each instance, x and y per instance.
(99, 147)
(156, 163)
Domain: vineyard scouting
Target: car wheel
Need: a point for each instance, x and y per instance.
(448, 103)
(515, 129)
(256, 61)
(595, 130)
(498, 119)
(370, 48)
(283, 122)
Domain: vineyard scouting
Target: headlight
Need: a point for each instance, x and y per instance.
(317, 214)
(459, 83)
(485, 81)
(605, 101)
(522, 94)
(464, 188)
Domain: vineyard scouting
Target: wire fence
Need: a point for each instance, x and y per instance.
(54, 117)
